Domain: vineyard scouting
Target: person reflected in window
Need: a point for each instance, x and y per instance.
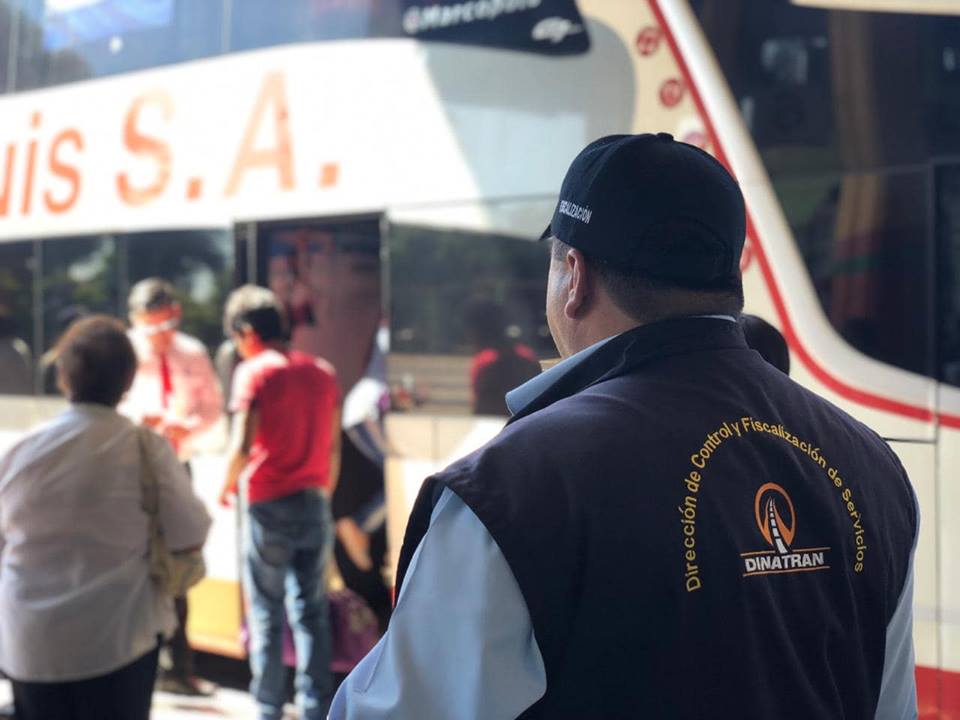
(766, 340)
(16, 376)
(500, 363)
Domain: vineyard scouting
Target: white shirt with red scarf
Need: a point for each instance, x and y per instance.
(180, 386)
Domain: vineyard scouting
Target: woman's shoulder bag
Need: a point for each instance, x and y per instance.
(173, 572)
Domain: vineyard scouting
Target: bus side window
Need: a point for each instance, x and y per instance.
(63, 42)
(198, 263)
(467, 319)
(93, 274)
(6, 32)
(79, 278)
(17, 342)
(851, 133)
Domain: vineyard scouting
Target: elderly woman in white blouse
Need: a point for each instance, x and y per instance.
(80, 618)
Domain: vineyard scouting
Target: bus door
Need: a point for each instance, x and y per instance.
(326, 273)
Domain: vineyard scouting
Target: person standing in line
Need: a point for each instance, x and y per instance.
(286, 456)
(766, 340)
(80, 616)
(175, 392)
(668, 527)
(500, 363)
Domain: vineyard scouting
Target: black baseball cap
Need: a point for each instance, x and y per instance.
(652, 204)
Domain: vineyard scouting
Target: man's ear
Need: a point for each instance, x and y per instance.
(580, 288)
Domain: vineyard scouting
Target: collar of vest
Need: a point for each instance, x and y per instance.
(630, 350)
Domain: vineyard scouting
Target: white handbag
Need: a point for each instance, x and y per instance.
(173, 572)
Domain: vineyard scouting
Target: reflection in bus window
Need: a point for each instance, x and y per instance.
(84, 275)
(79, 279)
(16, 318)
(554, 28)
(849, 131)
(6, 38)
(466, 318)
(62, 41)
(198, 263)
(500, 362)
(871, 270)
(327, 275)
(305, 20)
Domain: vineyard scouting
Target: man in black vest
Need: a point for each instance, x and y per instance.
(668, 527)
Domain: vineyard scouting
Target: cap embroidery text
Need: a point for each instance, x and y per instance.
(583, 214)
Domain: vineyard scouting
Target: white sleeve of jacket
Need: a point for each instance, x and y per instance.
(460, 645)
(898, 686)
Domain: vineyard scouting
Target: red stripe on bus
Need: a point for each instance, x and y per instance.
(938, 693)
(862, 397)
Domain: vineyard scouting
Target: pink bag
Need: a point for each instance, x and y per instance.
(353, 627)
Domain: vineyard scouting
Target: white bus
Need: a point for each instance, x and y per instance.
(386, 163)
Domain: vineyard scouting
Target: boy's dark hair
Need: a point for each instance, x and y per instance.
(95, 360)
(647, 299)
(255, 308)
(149, 295)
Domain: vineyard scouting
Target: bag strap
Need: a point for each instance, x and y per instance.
(149, 490)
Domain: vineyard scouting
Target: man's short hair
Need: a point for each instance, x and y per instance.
(255, 308)
(95, 360)
(646, 298)
(149, 295)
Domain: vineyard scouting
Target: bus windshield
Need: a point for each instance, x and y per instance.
(856, 116)
(58, 41)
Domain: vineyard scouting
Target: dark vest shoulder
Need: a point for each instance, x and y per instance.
(694, 505)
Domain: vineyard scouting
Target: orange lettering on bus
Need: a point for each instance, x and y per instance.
(65, 171)
(273, 95)
(7, 179)
(140, 144)
(329, 174)
(194, 188)
(35, 121)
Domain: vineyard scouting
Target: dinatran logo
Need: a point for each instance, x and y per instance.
(776, 520)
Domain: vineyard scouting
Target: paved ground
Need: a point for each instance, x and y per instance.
(230, 702)
(226, 704)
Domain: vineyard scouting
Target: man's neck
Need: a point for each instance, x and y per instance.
(277, 345)
(604, 327)
(618, 324)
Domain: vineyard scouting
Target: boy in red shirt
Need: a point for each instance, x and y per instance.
(285, 454)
